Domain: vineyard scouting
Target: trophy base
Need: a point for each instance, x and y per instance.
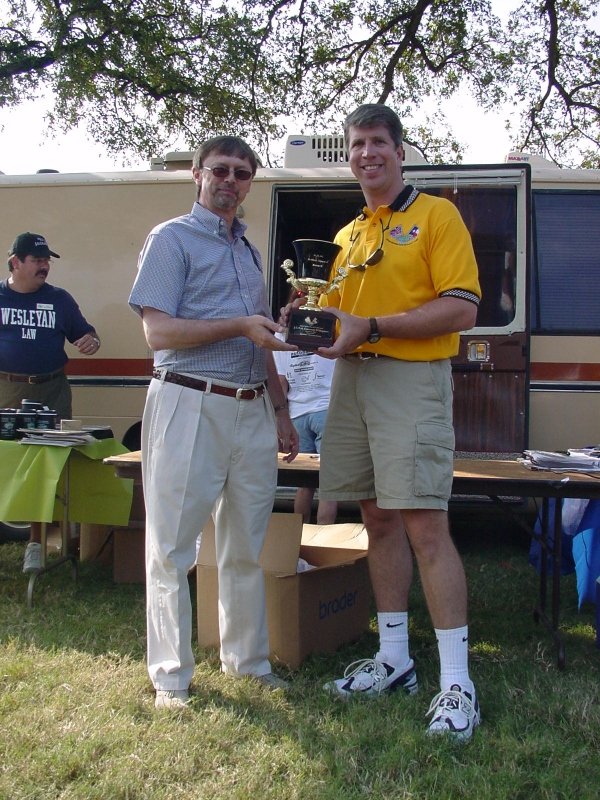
(310, 330)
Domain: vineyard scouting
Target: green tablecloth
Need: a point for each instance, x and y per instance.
(32, 483)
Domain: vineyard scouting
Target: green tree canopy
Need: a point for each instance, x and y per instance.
(143, 74)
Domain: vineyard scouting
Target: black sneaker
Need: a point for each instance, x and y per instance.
(371, 678)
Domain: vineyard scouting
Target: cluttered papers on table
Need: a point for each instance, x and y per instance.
(586, 459)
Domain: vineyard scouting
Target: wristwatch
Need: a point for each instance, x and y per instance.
(374, 336)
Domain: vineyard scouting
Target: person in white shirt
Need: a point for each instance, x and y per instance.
(306, 380)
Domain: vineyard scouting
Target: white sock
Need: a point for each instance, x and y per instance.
(453, 647)
(393, 638)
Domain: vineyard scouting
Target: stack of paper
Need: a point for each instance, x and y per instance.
(55, 438)
(585, 451)
(571, 461)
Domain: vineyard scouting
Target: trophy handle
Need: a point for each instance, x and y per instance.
(287, 268)
(342, 274)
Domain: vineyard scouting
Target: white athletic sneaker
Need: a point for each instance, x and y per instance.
(454, 712)
(371, 678)
(33, 557)
(172, 698)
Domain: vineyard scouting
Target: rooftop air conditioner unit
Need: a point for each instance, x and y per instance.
(174, 160)
(530, 158)
(329, 151)
(315, 151)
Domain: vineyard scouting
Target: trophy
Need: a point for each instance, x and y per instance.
(309, 326)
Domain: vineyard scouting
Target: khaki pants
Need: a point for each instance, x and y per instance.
(202, 451)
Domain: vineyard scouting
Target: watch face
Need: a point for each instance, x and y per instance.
(373, 338)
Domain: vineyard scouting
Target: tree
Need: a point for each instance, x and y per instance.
(555, 76)
(143, 74)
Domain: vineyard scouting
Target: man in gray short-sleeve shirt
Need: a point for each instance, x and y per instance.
(214, 419)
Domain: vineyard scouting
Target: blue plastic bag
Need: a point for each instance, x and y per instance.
(535, 551)
(586, 553)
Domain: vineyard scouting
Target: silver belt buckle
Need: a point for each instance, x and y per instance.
(238, 394)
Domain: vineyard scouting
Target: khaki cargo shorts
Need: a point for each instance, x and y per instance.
(389, 433)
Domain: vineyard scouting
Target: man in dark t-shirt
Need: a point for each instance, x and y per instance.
(35, 320)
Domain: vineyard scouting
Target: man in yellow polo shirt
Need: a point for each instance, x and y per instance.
(411, 287)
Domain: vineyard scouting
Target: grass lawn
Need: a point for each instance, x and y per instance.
(77, 716)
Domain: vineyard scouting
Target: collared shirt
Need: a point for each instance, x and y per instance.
(190, 269)
(427, 253)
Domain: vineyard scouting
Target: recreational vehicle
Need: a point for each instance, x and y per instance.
(528, 373)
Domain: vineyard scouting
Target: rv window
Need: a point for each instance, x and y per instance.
(491, 217)
(566, 261)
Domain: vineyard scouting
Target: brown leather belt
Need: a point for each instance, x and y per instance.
(12, 377)
(204, 386)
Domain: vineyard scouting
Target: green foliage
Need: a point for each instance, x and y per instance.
(556, 77)
(143, 74)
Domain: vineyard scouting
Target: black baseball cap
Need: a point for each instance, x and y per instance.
(31, 244)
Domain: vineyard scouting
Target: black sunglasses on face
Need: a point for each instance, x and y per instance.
(224, 172)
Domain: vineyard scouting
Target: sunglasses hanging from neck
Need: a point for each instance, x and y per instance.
(376, 255)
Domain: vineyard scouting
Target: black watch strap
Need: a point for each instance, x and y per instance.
(374, 335)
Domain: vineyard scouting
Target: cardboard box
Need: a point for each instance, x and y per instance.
(128, 546)
(129, 555)
(95, 543)
(314, 611)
